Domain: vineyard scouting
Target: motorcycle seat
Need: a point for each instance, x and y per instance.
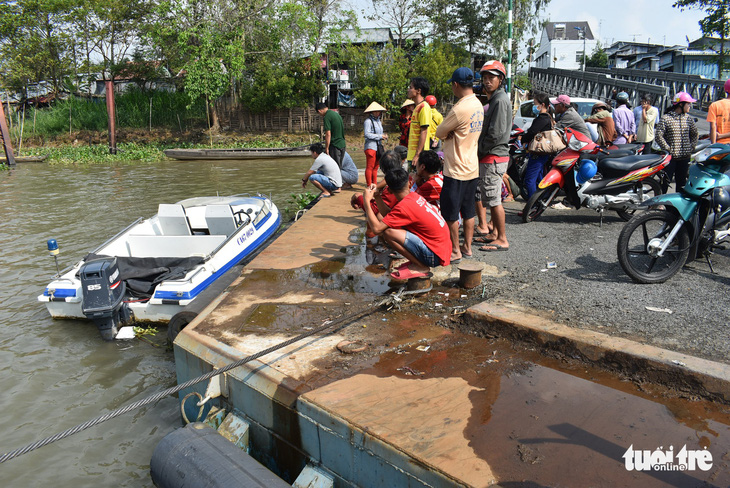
(625, 147)
(597, 158)
(628, 163)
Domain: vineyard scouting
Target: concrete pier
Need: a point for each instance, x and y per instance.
(424, 403)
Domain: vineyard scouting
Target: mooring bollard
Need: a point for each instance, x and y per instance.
(470, 274)
(415, 284)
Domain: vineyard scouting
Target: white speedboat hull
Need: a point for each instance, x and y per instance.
(193, 243)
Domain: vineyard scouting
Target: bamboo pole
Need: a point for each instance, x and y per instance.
(22, 127)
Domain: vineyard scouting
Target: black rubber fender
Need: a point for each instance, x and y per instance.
(197, 456)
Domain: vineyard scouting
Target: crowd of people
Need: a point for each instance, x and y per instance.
(448, 170)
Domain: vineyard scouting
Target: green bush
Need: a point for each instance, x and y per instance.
(132, 111)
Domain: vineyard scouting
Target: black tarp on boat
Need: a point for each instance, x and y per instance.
(142, 275)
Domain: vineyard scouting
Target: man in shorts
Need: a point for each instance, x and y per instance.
(414, 228)
(460, 132)
(493, 157)
(324, 173)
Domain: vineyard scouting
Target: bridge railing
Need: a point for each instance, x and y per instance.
(704, 90)
(589, 84)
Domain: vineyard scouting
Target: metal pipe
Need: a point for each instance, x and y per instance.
(110, 109)
(7, 143)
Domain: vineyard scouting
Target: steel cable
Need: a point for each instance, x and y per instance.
(343, 321)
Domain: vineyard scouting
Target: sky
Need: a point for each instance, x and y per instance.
(651, 21)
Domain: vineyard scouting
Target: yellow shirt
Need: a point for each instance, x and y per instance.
(421, 118)
(719, 113)
(436, 118)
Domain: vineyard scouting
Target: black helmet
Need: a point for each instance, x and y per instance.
(720, 198)
(622, 97)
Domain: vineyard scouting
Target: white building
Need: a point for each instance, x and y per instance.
(562, 45)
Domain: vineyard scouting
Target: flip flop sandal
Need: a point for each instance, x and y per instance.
(407, 274)
(482, 240)
(494, 248)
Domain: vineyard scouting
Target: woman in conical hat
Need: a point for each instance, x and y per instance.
(374, 137)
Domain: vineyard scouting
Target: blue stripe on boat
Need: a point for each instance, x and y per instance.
(189, 295)
(61, 292)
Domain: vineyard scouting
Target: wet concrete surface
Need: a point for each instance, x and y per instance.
(479, 410)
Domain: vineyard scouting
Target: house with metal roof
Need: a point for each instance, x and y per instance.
(563, 44)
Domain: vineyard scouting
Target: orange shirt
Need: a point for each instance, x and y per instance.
(719, 113)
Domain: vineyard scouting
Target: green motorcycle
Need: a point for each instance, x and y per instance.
(680, 227)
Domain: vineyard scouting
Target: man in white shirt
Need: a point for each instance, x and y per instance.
(325, 173)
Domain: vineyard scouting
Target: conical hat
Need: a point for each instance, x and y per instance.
(375, 107)
(408, 102)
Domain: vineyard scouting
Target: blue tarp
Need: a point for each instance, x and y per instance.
(344, 100)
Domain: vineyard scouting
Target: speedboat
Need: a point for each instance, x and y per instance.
(156, 267)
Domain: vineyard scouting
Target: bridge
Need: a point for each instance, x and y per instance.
(599, 83)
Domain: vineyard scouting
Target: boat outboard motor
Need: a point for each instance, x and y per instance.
(103, 293)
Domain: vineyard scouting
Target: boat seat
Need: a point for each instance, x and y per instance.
(220, 220)
(172, 246)
(172, 220)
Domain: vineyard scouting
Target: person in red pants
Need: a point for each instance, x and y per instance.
(374, 137)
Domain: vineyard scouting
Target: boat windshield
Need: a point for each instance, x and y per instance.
(265, 210)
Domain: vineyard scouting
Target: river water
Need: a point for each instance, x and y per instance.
(57, 374)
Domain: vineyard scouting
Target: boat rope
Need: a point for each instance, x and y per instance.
(336, 325)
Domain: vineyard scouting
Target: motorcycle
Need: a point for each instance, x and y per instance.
(680, 227)
(611, 183)
(519, 157)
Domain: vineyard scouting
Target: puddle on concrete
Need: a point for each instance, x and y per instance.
(550, 423)
(361, 270)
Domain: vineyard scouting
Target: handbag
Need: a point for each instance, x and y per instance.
(379, 151)
(547, 142)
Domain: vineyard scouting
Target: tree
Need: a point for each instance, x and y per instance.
(436, 62)
(381, 74)
(597, 59)
(403, 16)
(717, 23)
(35, 42)
(110, 29)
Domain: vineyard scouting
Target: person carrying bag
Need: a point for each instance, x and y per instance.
(541, 140)
(374, 136)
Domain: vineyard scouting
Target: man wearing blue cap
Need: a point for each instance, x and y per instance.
(460, 132)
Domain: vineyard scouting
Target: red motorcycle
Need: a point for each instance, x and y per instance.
(611, 183)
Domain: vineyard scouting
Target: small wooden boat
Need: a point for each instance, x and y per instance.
(239, 154)
(26, 159)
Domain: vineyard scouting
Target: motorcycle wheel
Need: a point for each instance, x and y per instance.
(633, 248)
(538, 202)
(650, 187)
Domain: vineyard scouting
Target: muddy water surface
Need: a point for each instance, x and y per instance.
(57, 374)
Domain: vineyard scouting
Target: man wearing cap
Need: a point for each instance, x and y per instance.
(493, 153)
(460, 131)
(334, 133)
(567, 116)
(676, 133)
(418, 139)
(374, 137)
(718, 116)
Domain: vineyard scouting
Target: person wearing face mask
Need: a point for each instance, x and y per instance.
(543, 121)
(676, 133)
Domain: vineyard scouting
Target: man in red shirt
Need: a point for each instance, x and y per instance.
(414, 228)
